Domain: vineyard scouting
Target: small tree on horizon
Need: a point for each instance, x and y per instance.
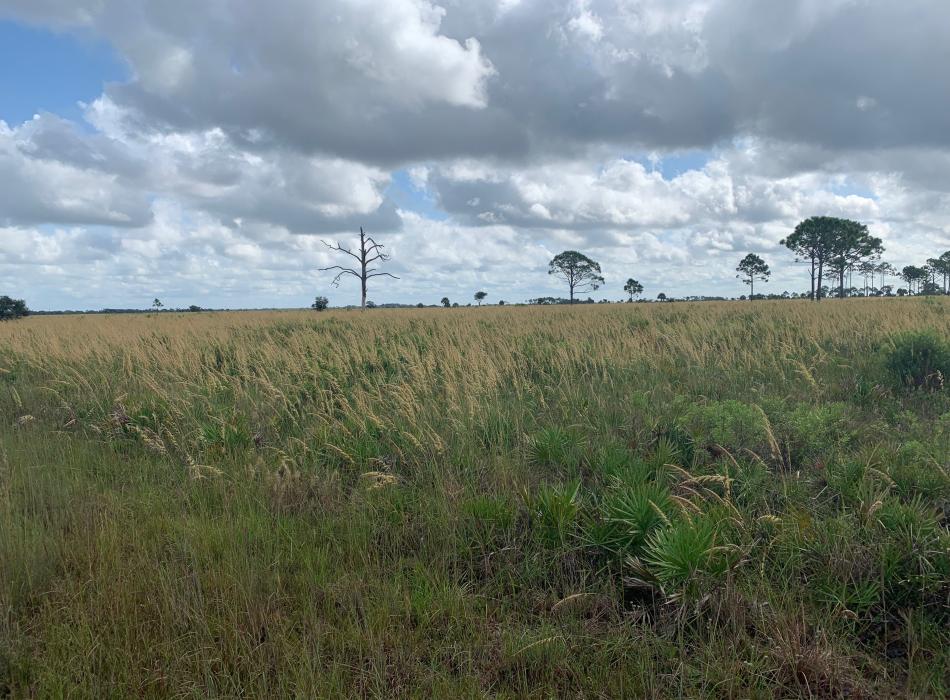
(480, 296)
(157, 304)
(320, 304)
(445, 302)
(579, 272)
(633, 288)
(750, 269)
(661, 296)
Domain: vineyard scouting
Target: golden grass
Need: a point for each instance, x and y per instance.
(343, 503)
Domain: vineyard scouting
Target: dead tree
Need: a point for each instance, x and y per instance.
(369, 252)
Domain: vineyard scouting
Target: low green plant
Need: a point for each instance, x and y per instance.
(555, 447)
(730, 424)
(919, 359)
(628, 515)
(554, 511)
(679, 554)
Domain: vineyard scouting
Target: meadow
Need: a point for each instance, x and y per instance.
(638, 500)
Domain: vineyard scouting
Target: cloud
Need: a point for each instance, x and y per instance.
(247, 132)
(53, 175)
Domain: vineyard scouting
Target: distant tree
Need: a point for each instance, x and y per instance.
(194, 307)
(479, 296)
(851, 244)
(941, 267)
(884, 269)
(320, 304)
(369, 252)
(811, 244)
(370, 305)
(501, 302)
(420, 305)
(661, 296)
(11, 309)
(914, 276)
(750, 269)
(828, 242)
(445, 302)
(455, 305)
(868, 269)
(157, 304)
(579, 272)
(633, 288)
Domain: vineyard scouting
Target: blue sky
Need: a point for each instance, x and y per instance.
(42, 70)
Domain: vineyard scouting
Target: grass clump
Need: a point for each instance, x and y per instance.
(919, 359)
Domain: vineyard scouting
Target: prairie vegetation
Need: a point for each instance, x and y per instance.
(706, 500)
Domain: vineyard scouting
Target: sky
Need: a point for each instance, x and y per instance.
(203, 152)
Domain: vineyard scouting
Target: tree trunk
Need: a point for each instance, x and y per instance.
(362, 269)
(812, 297)
(821, 264)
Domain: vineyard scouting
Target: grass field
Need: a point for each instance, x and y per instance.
(646, 500)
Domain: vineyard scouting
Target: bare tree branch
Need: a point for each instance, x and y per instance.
(341, 249)
(369, 252)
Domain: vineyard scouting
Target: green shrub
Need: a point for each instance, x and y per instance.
(731, 424)
(628, 516)
(554, 511)
(555, 447)
(674, 445)
(813, 432)
(617, 464)
(685, 555)
(919, 359)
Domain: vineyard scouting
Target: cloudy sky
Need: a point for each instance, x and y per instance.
(200, 151)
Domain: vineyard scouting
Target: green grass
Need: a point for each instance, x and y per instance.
(661, 501)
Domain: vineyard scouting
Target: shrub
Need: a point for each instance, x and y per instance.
(616, 464)
(813, 432)
(919, 359)
(678, 554)
(628, 516)
(554, 510)
(12, 309)
(674, 445)
(731, 424)
(555, 447)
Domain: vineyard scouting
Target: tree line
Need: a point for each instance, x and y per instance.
(833, 248)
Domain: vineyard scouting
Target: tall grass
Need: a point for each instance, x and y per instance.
(637, 500)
